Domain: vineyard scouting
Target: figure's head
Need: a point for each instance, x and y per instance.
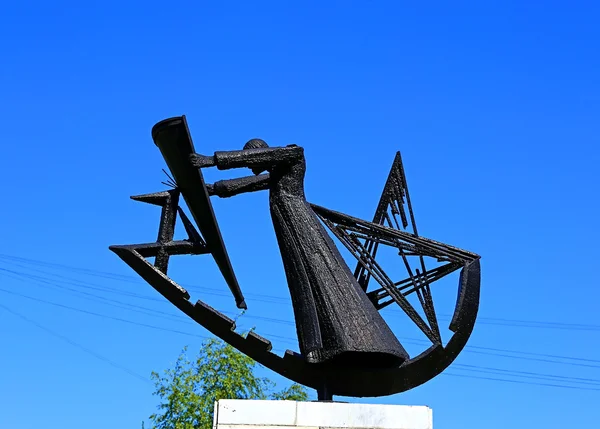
(256, 144)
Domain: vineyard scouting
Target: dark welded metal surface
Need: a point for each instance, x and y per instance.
(346, 347)
(173, 139)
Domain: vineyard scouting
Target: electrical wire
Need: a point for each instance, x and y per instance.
(506, 353)
(518, 381)
(75, 344)
(283, 300)
(469, 368)
(156, 313)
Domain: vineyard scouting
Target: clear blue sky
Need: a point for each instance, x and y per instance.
(493, 104)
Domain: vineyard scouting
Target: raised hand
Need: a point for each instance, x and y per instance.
(202, 161)
(210, 188)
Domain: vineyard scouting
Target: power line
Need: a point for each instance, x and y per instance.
(539, 357)
(527, 374)
(92, 313)
(120, 304)
(536, 354)
(75, 344)
(468, 368)
(107, 301)
(281, 300)
(518, 381)
(79, 283)
(471, 368)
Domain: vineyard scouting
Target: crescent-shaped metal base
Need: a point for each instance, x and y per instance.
(336, 380)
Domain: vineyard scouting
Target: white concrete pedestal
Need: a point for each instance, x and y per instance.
(251, 414)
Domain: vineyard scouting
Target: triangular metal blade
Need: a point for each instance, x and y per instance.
(155, 198)
(193, 235)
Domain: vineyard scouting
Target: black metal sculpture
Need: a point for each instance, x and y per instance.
(346, 347)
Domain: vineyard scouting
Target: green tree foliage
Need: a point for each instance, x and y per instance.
(188, 391)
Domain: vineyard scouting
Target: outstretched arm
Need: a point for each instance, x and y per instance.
(261, 158)
(231, 187)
